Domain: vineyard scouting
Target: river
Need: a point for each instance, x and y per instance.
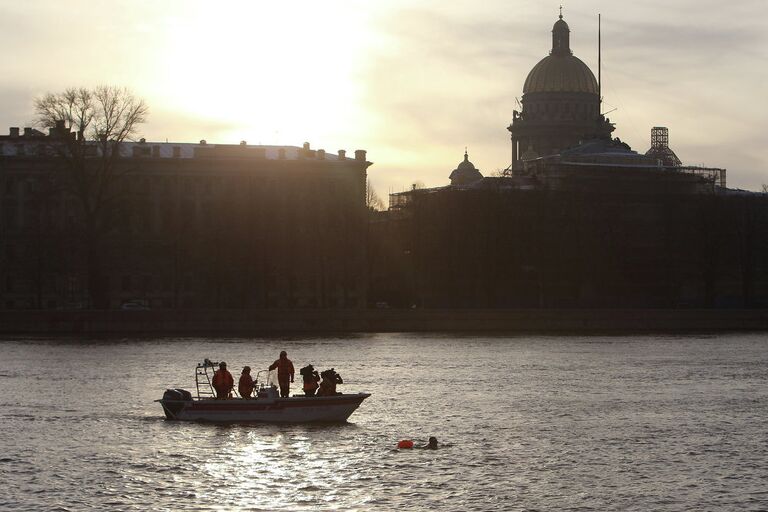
(524, 423)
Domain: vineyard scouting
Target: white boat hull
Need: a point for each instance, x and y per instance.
(295, 409)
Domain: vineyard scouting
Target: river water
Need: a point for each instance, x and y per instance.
(524, 423)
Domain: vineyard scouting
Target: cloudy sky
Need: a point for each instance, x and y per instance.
(413, 82)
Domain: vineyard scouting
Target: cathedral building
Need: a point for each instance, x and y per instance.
(560, 104)
(578, 220)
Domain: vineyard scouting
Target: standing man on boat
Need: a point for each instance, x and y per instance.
(284, 373)
(223, 382)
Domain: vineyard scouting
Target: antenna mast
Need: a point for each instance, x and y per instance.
(599, 66)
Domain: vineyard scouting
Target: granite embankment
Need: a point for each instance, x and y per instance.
(274, 321)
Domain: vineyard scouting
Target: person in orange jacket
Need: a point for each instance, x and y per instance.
(284, 373)
(245, 385)
(223, 381)
(328, 384)
(311, 380)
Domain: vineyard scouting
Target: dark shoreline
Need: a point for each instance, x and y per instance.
(275, 321)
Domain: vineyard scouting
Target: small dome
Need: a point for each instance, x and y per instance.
(465, 172)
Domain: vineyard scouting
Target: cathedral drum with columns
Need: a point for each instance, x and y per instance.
(560, 104)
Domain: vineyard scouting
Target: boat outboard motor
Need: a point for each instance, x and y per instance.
(171, 401)
(177, 394)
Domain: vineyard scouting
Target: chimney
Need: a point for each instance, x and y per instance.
(14, 131)
(342, 154)
(321, 154)
(27, 132)
(142, 140)
(60, 124)
(243, 143)
(203, 142)
(306, 146)
(360, 155)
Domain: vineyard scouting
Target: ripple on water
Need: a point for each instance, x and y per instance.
(525, 423)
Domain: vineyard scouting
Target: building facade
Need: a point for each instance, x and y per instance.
(191, 226)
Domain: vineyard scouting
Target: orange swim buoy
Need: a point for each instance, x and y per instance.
(405, 443)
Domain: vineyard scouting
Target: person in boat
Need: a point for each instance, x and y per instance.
(328, 384)
(311, 379)
(245, 385)
(223, 382)
(284, 373)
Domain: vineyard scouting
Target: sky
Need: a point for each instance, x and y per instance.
(413, 82)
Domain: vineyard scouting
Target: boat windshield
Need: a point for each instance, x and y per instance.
(266, 378)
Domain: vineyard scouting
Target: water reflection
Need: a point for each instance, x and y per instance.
(629, 423)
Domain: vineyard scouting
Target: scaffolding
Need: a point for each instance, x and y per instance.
(663, 154)
(713, 174)
(660, 149)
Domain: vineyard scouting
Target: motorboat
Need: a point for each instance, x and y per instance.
(266, 407)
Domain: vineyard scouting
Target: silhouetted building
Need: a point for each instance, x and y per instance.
(560, 104)
(199, 226)
(578, 220)
(465, 173)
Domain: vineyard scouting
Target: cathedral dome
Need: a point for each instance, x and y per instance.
(465, 172)
(560, 71)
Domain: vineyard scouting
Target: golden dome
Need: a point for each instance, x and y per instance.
(560, 73)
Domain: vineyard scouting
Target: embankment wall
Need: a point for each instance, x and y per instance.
(276, 321)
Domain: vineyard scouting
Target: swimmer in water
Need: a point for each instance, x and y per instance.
(432, 444)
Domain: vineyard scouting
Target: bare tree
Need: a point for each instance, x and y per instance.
(765, 188)
(372, 199)
(89, 127)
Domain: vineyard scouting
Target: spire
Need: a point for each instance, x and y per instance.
(466, 156)
(561, 44)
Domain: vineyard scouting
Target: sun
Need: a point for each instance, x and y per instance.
(267, 72)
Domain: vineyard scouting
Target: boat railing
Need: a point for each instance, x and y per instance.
(203, 379)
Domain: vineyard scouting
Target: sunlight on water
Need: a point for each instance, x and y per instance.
(608, 423)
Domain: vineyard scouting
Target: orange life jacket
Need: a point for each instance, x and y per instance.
(310, 383)
(284, 368)
(222, 379)
(245, 386)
